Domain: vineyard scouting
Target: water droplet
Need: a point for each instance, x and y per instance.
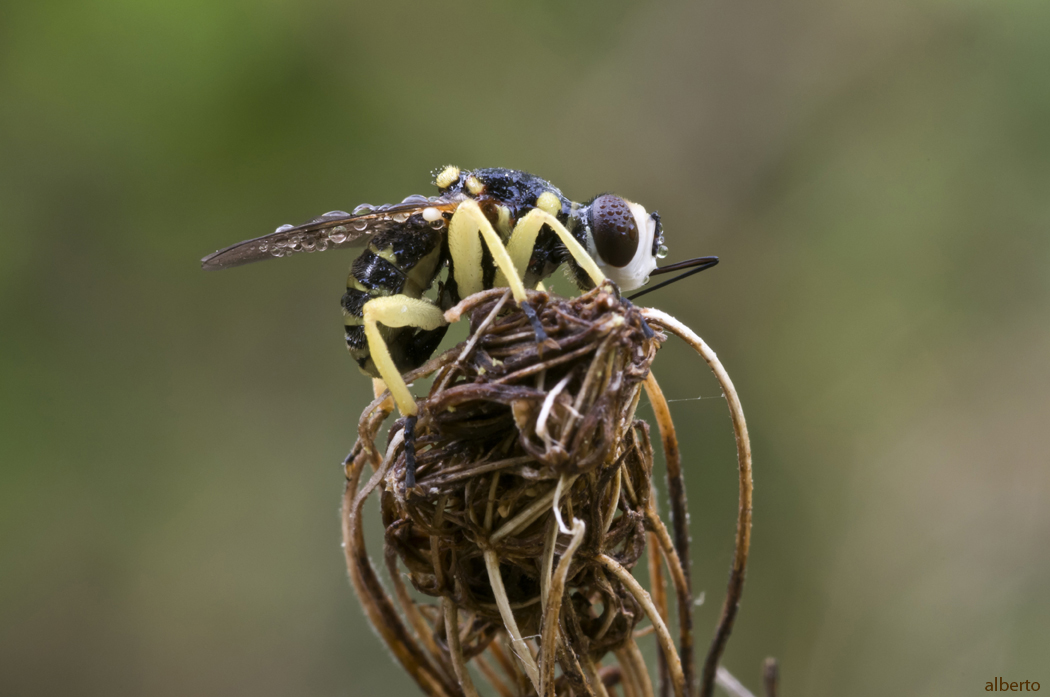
(263, 246)
(335, 214)
(337, 235)
(661, 252)
(322, 244)
(400, 217)
(416, 199)
(437, 224)
(360, 225)
(364, 208)
(286, 226)
(277, 252)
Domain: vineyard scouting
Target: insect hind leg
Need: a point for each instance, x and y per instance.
(397, 311)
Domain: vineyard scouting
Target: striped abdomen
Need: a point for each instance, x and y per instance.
(402, 261)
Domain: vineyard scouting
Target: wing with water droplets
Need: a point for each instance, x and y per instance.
(334, 230)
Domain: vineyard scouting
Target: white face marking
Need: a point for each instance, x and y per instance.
(635, 274)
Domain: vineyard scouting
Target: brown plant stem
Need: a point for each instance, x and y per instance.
(662, 635)
(770, 676)
(377, 604)
(658, 589)
(454, 648)
(743, 527)
(679, 518)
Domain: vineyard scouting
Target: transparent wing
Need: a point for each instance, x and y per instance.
(334, 230)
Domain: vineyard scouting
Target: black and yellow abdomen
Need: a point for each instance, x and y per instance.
(399, 262)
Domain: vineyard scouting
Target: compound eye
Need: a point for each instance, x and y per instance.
(615, 230)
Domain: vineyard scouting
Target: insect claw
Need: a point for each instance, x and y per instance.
(647, 331)
(534, 320)
(410, 451)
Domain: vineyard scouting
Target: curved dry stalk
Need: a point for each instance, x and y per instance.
(493, 677)
(533, 511)
(770, 676)
(730, 684)
(454, 647)
(743, 526)
(552, 609)
(377, 604)
(658, 589)
(662, 634)
(628, 676)
(519, 647)
(594, 680)
(683, 597)
(547, 566)
(634, 655)
(679, 518)
(424, 633)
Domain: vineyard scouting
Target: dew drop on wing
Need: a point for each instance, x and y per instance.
(364, 208)
(335, 214)
(416, 199)
(286, 226)
(661, 252)
(360, 225)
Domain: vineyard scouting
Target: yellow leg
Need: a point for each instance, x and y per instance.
(523, 239)
(465, 247)
(397, 311)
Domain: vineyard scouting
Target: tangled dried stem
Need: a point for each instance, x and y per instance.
(533, 502)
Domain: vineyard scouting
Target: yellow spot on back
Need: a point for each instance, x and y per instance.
(447, 177)
(549, 202)
(474, 185)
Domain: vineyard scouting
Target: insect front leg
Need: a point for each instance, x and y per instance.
(523, 240)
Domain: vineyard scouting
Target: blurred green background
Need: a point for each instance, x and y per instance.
(874, 176)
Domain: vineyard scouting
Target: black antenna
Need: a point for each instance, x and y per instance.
(694, 265)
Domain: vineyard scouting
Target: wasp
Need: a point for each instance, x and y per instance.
(489, 228)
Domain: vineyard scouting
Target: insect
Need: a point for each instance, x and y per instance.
(489, 228)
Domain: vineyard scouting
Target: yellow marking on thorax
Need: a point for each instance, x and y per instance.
(447, 177)
(548, 201)
(474, 185)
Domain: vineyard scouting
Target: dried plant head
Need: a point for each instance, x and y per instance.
(532, 503)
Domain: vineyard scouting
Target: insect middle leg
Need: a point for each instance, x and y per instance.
(523, 240)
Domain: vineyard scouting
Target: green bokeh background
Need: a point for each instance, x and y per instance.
(874, 176)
